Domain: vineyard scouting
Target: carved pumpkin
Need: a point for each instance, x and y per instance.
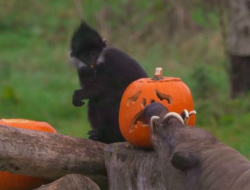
(9, 181)
(169, 91)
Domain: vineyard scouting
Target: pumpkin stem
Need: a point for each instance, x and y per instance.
(158, 73)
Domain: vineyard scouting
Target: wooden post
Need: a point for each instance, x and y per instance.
(132, 168)
(239, 46)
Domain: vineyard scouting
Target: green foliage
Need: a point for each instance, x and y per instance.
(5, 71)
(36, 81)
(198, 17)
(205, 86)
(205, 19)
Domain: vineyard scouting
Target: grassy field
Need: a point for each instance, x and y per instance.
(36, 81)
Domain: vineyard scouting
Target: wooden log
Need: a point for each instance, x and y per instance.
(132, 168)
(71, 181)
(51, 156)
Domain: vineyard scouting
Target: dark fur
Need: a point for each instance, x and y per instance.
(103, 82)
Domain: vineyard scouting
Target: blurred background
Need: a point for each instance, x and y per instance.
(188, 39)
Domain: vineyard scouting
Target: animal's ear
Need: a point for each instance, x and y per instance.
(184, 160)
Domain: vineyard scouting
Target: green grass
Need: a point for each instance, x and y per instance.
(36, 81)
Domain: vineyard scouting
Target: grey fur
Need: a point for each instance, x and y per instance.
(77, 63)
(101, 58)
(193, 159)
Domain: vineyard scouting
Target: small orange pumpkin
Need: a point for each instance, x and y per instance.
(9, 181)
(169, 91)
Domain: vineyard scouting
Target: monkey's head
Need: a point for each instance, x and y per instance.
(86, 46)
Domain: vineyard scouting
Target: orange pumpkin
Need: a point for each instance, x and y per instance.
(169, 91)
(9, 181)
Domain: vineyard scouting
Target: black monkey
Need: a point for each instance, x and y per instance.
(104, 74)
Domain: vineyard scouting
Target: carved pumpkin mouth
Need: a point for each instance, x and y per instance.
(138, 121)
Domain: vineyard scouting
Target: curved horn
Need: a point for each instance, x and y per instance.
(184, 114)
(152, 121)
(152, 126)
(193, 112)
(170, 115)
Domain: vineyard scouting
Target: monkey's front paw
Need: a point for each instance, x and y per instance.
(77, 98)
(78, 103)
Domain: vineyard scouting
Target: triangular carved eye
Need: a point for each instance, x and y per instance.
(162, 96)
(133, 98)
